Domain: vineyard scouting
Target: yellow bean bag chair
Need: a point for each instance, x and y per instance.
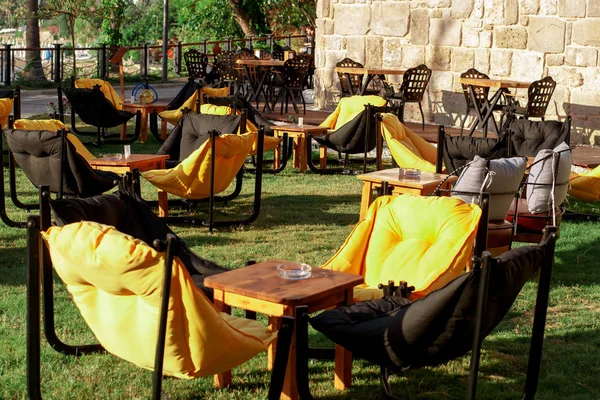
(408, 149)
(6, 106)
(53, 125)
(106, 88)
(425, 241)
(173, 116)
(586, 187)
(191, 178)
(348, 108)
(116, 282)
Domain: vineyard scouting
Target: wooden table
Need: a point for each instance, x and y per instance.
(423, 185)
(586, 156)
(300, 151)
(485, 112)
(257, 84)
(258, 288)
(143, 162)
(145, 109)
(368, 75)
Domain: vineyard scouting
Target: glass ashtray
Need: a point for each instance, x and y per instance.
(294, 271)
(112, 156)
(409, 173)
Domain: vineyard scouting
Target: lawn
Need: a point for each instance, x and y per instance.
(306, 217)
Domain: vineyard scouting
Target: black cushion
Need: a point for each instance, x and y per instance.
(185, 93)
(529, 137)
(130, 215)
(459, 150)
(192, 131)
(38, 153)
(7, 94)
(95, 109)
(350, 138)
(436, 328)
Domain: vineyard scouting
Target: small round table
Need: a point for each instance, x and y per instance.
(145, 110)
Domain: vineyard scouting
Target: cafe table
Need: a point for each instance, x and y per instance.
(257, 81)
(368, 75)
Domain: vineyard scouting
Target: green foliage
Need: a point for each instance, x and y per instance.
(114, 16)
(205, 19)
(143, 22)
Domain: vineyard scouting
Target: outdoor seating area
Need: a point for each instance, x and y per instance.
(252, 230)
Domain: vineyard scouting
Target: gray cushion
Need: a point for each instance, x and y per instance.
(506, 176)
(541, 175)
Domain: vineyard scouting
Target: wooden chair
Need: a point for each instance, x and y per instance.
(350, 84)
(412, 90)
(195, 63)
(289, 80)
(538, 98)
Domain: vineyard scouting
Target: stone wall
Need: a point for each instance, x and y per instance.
(514, 39)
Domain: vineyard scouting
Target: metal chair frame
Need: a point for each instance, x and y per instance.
(412, 90)
(195, 63)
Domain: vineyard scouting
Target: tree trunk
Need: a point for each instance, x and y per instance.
(242, 17)
(33, 69)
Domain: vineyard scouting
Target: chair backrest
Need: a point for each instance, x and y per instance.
(353, 84)
(481, 93)
(295, 70)
(527, 137)
(277, 54)
(94, 108)
(225, 62)
(48, 158)
(195, 63)
(415, 83)
(185, 93)
(538, 96)
(14, 96)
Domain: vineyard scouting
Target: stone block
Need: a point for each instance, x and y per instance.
(328, 27)
(510, 37)
(554, 60)
(375, 52)
(323, 8)
(482, 60)
(333, 42)
(581, 56)
(436, 14)
(477, 9)
(584, 102)
(571, 8)
(413, 56)
(473, 23)
(527, 66)
(546, 34)
(591, 78)
(392, 52)
(560, 102)
(593, 8)
(441, 81)
(566, 76)
(524, 20)
(439, 3)
(462, 9)
(500, 62)
(389, 18)
(355, 48)
(462, 59)
(320, 59)
(485, 39)
(529, 6)
(511, 12)
(352, 19)
(587, 32)
(332, 57)
(346, 1)
(470, 37)
(549, 7)
(493, 12)
(447, 13)
(445, 32)
(438, 58)
(419, 26)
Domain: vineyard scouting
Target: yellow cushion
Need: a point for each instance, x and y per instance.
(425, 241)
(214, 92)
(408, 149)
(191, 178)
(173, 116)
(116, 282)
(106, 88)
(6, 106)
(53, 125)
(586, 187)
(350, 107)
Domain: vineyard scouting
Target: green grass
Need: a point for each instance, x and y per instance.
(306, 217)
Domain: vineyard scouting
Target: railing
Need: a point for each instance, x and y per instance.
(94, 61)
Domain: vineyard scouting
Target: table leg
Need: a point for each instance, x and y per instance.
(290, 388)
(277, 155)
(295, 153)
(144, 127)
(302, 154)
(163, 129)
(124, 131)
(478, 111)
(163, 203)
(343, 358)
(274, 324)
(323, 157)
(366, 198)
(223, 379)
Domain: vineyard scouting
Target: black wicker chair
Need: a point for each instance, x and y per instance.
(195, 63)
(287, 81)
(412, 90)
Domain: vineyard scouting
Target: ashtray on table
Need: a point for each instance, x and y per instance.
(409, 173)
(112, 156)
(294, 271)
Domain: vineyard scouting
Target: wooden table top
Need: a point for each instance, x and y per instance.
(260, 281)
(135, 106)
(129, 161)
(296, 128)
(370, 71)
(267, 63)
(587, 157)
(495, 83)
(392, 177)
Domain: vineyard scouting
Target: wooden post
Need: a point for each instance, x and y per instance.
(117, 58)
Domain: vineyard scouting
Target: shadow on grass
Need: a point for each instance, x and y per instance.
(13, 270)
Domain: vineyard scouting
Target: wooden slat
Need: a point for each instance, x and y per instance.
(263, 63)
(495, 83)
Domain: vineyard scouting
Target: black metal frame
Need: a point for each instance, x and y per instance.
(371, 111)
(100, 133)
(211, 223)
(482, 266)
(39, 286)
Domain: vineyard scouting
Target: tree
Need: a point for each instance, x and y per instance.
(242, 17)
(33, 69)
